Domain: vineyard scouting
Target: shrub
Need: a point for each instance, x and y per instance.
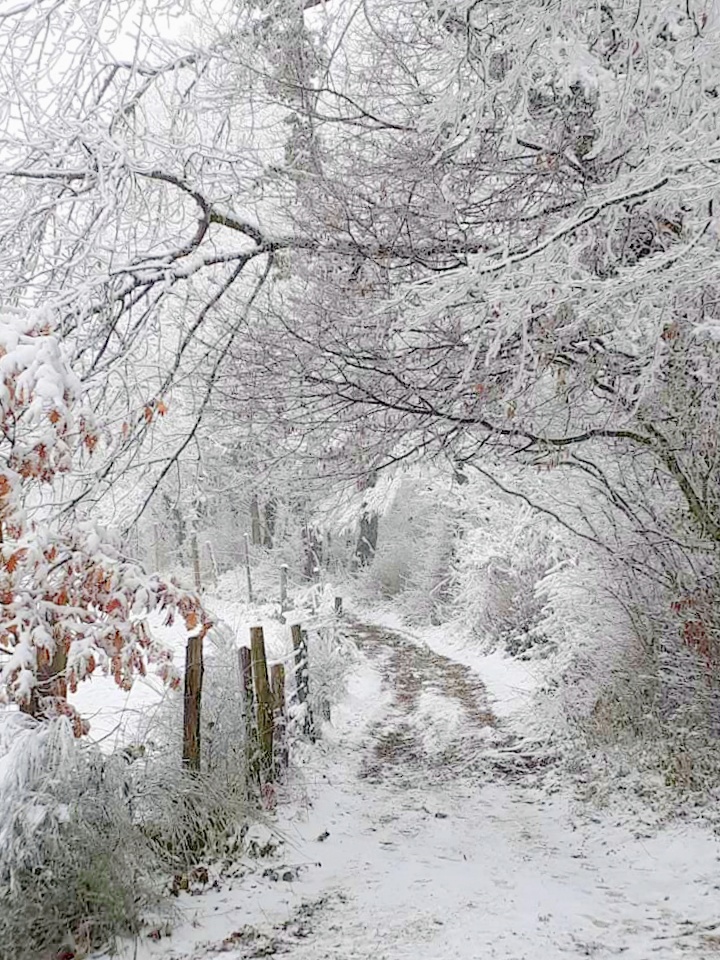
(501, 558)
(89, 841)
(73, 866)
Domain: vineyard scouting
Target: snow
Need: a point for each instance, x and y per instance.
(394, 852)
(510, 682)
(438, 721)
(118, 717)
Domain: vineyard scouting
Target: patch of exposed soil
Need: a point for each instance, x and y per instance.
(410, 669)
(399, 749)
(248, 942)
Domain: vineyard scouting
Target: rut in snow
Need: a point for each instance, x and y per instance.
(439, 723)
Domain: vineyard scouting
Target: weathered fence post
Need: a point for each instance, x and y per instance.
(248, 709)
(300, 649)
(280, 745)
(263, 698)
(247, 569)
(196, 562)
(192, 701)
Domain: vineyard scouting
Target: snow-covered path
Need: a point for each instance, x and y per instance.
(422, 832)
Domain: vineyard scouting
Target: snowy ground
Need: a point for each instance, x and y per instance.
(420, 829)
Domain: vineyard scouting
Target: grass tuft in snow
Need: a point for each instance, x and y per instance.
(74, 868)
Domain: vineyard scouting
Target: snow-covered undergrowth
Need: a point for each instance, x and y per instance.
(94, 830)
(616, 676)
(90, 838)
(74, 866)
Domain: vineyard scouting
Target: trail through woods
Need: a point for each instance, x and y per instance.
(423, 830)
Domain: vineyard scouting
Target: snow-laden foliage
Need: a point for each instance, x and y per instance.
(89, 841)
(331, 652)
(413, 561)
(621, 666)
(70, 601)
(594, 647)
(74, 867)
(332, 240)
(501, 557)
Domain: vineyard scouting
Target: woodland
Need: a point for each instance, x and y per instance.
(412, 302)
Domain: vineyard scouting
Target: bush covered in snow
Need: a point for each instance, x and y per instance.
(89, 840)
(625, 652)
(74, 868)
(456, 552)
(503, 554)
(330, 652)
(413, 562)
(197, 816)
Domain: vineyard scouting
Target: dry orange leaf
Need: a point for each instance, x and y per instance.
(14, 559)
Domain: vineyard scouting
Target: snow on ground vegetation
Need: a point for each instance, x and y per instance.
(421, 827)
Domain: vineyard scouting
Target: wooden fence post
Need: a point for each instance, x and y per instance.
(213, 561)
(251, 740)
(247, 569)
(196, 562)
(280, 745)
(192, 701)
(300, 649)
(263, 698)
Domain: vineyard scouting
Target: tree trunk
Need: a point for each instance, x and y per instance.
(192, 702)
(51, 687)
(255, 526)
(313, 554)
(368, 533)
(367, 539)
(270, 518)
